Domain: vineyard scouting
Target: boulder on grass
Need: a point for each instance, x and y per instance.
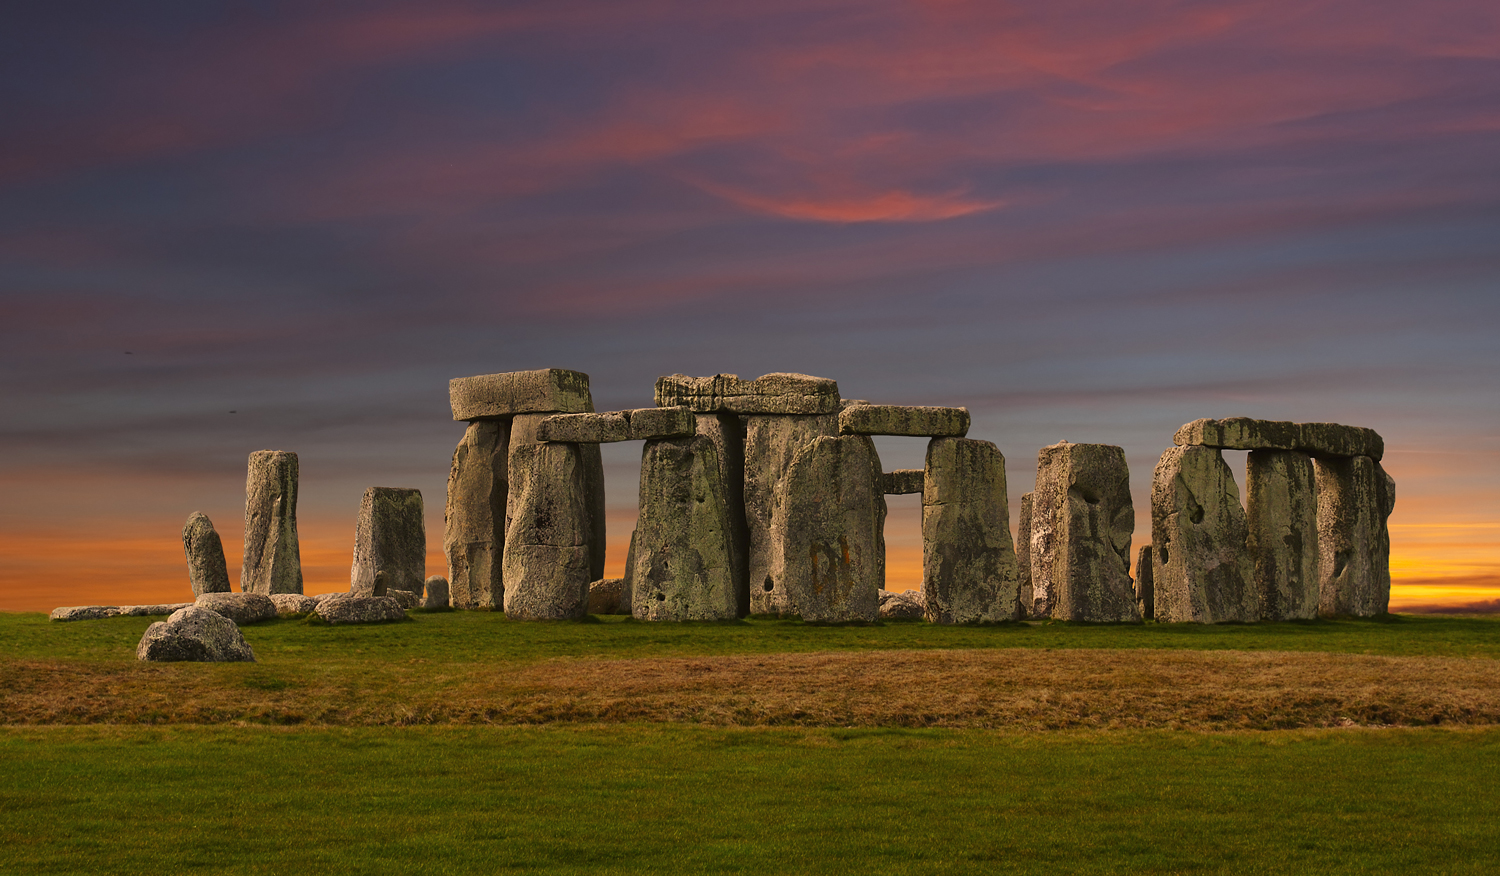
(151, 610)
(293, 603)
(84, 612)
(194, 633)
(407, 598)
(901, 606)
(360, 610)
(242, 608)
(605, 596)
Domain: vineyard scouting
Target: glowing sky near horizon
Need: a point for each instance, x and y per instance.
(1091, 221)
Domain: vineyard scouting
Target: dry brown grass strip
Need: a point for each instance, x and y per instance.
(1022, 689)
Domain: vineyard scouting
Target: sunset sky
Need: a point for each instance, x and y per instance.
(235, 226)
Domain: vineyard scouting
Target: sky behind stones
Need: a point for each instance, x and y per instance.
(287, 225)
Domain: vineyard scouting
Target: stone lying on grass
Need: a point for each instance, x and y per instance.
(293, 603)
(242, 608)
(194, 633)
(334, 594)
(360, 610)
(437, 592)
(151, 610)
(901, 606)
(84, 612)
(407, 598)
(604, 596)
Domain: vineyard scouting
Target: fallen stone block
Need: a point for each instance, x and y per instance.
(152, 610)
(829, 527)
(84, 612)
(360, 610)
(1318, 439)
(604, 596)
(770, 444)
(647, 424)
(548, 390)
(1281, 499)
(273, 560)
(901, 606)
(437, 593)
(196, 634)
(242, 608)
(474, 517)
(1355, 497)
(1200, 571)
(207, 571)
(407, 598)
(902, 481)
(1081, 523)
(768, 394)
(603, 428)
(336, 594)
(681, 565)
(969, 572)
(911, 420)
(288, 604)
(390, 538)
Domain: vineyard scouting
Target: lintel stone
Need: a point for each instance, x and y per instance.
(1318, 439)
(768, 394)
(603, 428)
(648, 424)
(902, 481)
(916, 421)
(546, 390)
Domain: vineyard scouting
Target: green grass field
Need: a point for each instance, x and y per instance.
(96, 791)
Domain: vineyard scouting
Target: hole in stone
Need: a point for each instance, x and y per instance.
(1196, 514)
(661, 597)
(769, 585)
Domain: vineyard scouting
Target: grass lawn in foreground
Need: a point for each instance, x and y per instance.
(673, 799)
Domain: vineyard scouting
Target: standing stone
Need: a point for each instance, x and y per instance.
(390, 537)
(547, 563)
(474, 518)
(273, 561)
(207, 571)
(1145, 590)
(1355, 496)
(829, 528)
(1081, 523)
(770, 444)
(1281, 501)
(969, 572)
(682, 563)
(588, 483)
(728, 435)
(1023, 558)
(1200, 571)
(437, 592)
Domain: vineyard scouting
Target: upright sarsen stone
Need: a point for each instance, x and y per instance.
(727, 433)
(1200, 572)
(1281, 504)
(547, 563)
(1355, 496)
(969, 572)
(1145, 590)
(1023, 559)
(474, 517)
(771, 442)
(390, 538)
(1081, 523)
(207, 570)
(829, 528)
(681, 566)
(273, 561)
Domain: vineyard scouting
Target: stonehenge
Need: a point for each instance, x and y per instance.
(1079, 529)
(969, 571)
(1200, 569)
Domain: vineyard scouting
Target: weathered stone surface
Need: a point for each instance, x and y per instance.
(589, 485)
(901, 606)
(1281, 501)
(336, 594)
(682, 560)
(547, 556)
(902, 481)
(474, 518)
(548, 390)
(1200, 571)
(242, 608)
(360, 610)
(1318, 439)
(904, 420)
(768, 394)
(151, 610)
(604, 596)
(390, 536)
(649, 423)
(969, 572)
(437, 592)
(1355, 497)
(770, 444)
(727, 432)
(1145, 590)
(1081, 523)
(195, 633)
(273, 560)
(407, 598)
(1023, 558)
(207, 571)
(84, 612)
(603, 428)
(293, 603)
(829, 528)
